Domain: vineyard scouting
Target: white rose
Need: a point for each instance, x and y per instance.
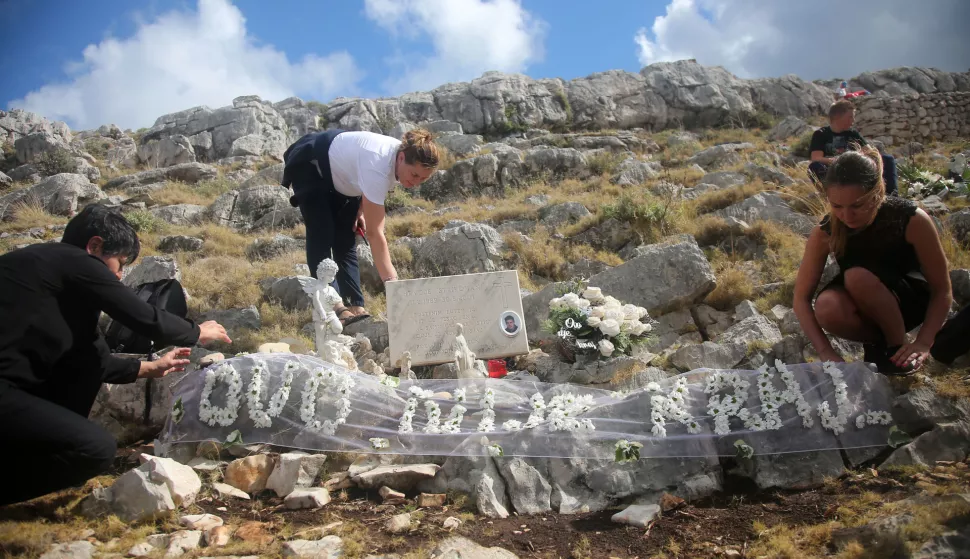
(598, 312)
(641, 312)
(570, 300)
(556, 303)
(611, 302)
(593, 321)
(606, 348)
(582, 304)
(593, 294)
(615, 314)
(629, 326)
(609, 327)
(630, 312)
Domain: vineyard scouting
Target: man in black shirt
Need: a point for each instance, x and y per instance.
(838, 137)
(53, 359)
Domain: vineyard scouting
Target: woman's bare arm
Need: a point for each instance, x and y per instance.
(374, 215)
(809, 274)
(921, 233)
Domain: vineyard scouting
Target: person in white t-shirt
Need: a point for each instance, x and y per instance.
(340, 181)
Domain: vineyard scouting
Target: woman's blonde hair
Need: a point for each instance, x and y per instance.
(418, 147)
(860, 167)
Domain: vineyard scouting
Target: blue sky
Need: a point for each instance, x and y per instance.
(101, 61)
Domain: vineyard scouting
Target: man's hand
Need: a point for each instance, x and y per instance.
(171, 362)
(212, 331)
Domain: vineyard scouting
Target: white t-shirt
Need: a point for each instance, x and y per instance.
(362, 164)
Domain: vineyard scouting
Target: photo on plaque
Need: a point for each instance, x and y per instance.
(510, 323)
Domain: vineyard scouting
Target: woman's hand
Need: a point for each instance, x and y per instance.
(211, 331)
(171, 362)
(911, 354)
(830, 356)
(361, 224)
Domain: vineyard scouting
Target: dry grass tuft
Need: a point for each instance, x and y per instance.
(733, 285)
(720, 199)
(27, 216)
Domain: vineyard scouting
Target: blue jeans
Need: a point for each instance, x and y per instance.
(329, 217)
(817, 171)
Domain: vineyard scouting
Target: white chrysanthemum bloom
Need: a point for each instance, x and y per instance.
(653, 387)
(593, 322)
(594, 294)
(609, 327)
(598, 312)
(606, 348)
(378, 443)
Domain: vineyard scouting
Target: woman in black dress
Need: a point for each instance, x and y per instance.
(893, 273)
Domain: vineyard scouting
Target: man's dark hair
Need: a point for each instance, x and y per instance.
(508, 318)
(97, 220)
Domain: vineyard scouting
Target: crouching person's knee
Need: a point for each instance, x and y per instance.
(828, 310)
(95, 454)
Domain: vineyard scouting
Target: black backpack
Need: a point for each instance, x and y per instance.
(164, 294)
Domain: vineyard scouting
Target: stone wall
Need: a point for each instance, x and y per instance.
(915, 118)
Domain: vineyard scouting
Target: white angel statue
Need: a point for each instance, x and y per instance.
(326, 325)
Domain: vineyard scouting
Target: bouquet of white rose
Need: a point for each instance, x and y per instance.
(586, 321)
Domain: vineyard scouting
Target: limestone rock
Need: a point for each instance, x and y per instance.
(456, 546)
(180, 243)
(217, 536)
(182, 481)
(166, 152)
(719, 156)
(708, 355)
(660, 277)
(724, 179)
(959, 223)
(64, 194)
(632, 171)
(768, 174)
(402, 477)
(188, 173)
(70, 550)
(180, 214)
(182, 542)
(250, 474)
(243, 208)
(426, 500)
(279, 245)
(947, 441)
(225, 490)
(398, 524)
(293, 470)
(789, 127)
(532, 492)
(135, 496)
(557, 215)
(204, 522)
(769, 206)
(235, 320)
(960, 281)
(288, 292)
(152, 269)
(328, 547)
(390, 496)
(637, 515)
(466, 249)
(312, 498)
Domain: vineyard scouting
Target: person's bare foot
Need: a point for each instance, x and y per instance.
(359, 311)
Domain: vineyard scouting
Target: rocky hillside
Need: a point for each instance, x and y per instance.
(681, 189)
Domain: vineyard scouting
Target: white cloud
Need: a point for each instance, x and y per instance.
(815, 39)
(468, 37)
(181, 60)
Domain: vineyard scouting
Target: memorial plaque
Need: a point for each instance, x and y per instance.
(422, 313)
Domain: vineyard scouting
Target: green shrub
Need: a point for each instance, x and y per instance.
(802, 146)
(604, 162)
(143, 221)
(98, 147)
(56, 161)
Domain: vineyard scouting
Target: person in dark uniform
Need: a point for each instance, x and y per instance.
(53, 358)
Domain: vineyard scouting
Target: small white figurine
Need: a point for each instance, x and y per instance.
(464, 358)
(324, 298)
(406, 372)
